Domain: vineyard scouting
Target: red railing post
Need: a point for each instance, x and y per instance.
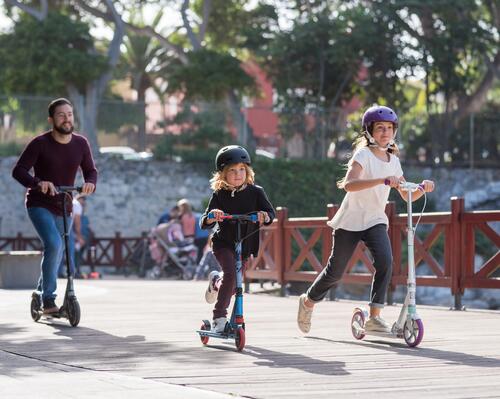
(18, 243)
(279, 248)
(331, 210)
(117, 250)
(457, 251)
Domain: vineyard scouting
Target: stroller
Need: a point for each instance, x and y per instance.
(174, 255)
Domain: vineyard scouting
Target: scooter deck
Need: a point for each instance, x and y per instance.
(379, 333)
(208, 333)
(50, 315)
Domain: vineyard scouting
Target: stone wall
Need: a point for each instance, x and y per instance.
(131, 195)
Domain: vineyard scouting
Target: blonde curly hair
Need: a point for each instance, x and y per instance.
(219, 181)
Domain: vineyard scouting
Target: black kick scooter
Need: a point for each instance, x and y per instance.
(70, 308)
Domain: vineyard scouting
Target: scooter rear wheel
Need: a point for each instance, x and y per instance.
(239, 339)
(413, 332)
(205, 327)
(73, 312)
(358, 324)
(35, 309)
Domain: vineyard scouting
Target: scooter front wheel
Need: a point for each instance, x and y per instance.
(413, 332)
(239, 339)
(205, 327)
(358, 324)
(73, 312)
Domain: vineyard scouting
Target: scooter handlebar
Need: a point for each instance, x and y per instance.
(252, 217)
(407, 186)
(69, 189)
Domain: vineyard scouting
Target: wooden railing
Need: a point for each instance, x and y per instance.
(105, 251)
(296, 249)
(453, 233)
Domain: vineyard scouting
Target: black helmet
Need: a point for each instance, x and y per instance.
(231, 154)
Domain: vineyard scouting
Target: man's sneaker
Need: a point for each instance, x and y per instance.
(377, 324)
(49, 306)
(304, 315)
(219, 325)
(213, 286)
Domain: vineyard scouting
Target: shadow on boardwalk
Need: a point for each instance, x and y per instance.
(421, 352)
(86, 348)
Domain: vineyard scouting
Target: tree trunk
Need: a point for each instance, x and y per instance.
(244, 130)
(86, 112)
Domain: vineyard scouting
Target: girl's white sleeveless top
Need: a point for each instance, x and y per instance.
(363, 209)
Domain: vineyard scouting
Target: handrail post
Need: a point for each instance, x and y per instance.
(279, 248)
(458, 252)
(18, 243)
(331, 210)
(117, 250)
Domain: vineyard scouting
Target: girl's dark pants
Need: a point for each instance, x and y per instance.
(344, 243)
(226, 259)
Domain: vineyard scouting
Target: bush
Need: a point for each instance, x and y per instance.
(10, 149)
(305, 187)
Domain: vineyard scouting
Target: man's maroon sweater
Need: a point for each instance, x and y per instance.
(56, 163)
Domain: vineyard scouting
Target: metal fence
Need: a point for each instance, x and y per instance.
(424, 139)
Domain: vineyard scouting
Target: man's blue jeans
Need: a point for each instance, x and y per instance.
(50, 229)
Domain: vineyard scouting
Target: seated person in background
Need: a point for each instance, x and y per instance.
(187, 219)
(167, 216)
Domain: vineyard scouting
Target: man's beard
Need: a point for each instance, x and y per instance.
(63, 130)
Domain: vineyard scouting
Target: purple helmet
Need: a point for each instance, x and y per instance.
(378, 113)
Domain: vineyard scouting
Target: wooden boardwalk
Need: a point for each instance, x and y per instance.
(146, 329)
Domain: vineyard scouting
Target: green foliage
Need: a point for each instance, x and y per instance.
(29, 113)
(202, 136)
(305, 187)
(42, 57)
(233, 26)
(115, 114)
(10, 149)
(208, 75)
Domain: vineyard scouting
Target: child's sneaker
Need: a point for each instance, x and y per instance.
(219, 325)
(304, 315)
(377, 324)
(213, 287)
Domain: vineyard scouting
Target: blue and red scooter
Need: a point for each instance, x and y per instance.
(235, 327)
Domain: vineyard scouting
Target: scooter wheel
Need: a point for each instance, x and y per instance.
(205, 327)
(239, 339)
(413, 332)
(73, 312)
(35, 308)
(358, 324)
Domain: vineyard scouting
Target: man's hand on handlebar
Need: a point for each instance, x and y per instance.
(47, 187)
(88, 188)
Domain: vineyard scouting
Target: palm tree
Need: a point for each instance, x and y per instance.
(143, 61)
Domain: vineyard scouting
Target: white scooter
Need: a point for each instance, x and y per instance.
(409, 325)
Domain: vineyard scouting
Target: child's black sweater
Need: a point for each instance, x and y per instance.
(251, 199)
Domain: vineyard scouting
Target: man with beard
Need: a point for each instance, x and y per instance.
(55, 157)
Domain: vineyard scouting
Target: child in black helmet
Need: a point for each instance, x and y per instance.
(234, 193)
(372, 171)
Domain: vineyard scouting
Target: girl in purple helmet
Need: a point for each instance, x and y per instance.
(373, 169)
(234, 193)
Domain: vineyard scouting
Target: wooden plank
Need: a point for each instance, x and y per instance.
(146, 329)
